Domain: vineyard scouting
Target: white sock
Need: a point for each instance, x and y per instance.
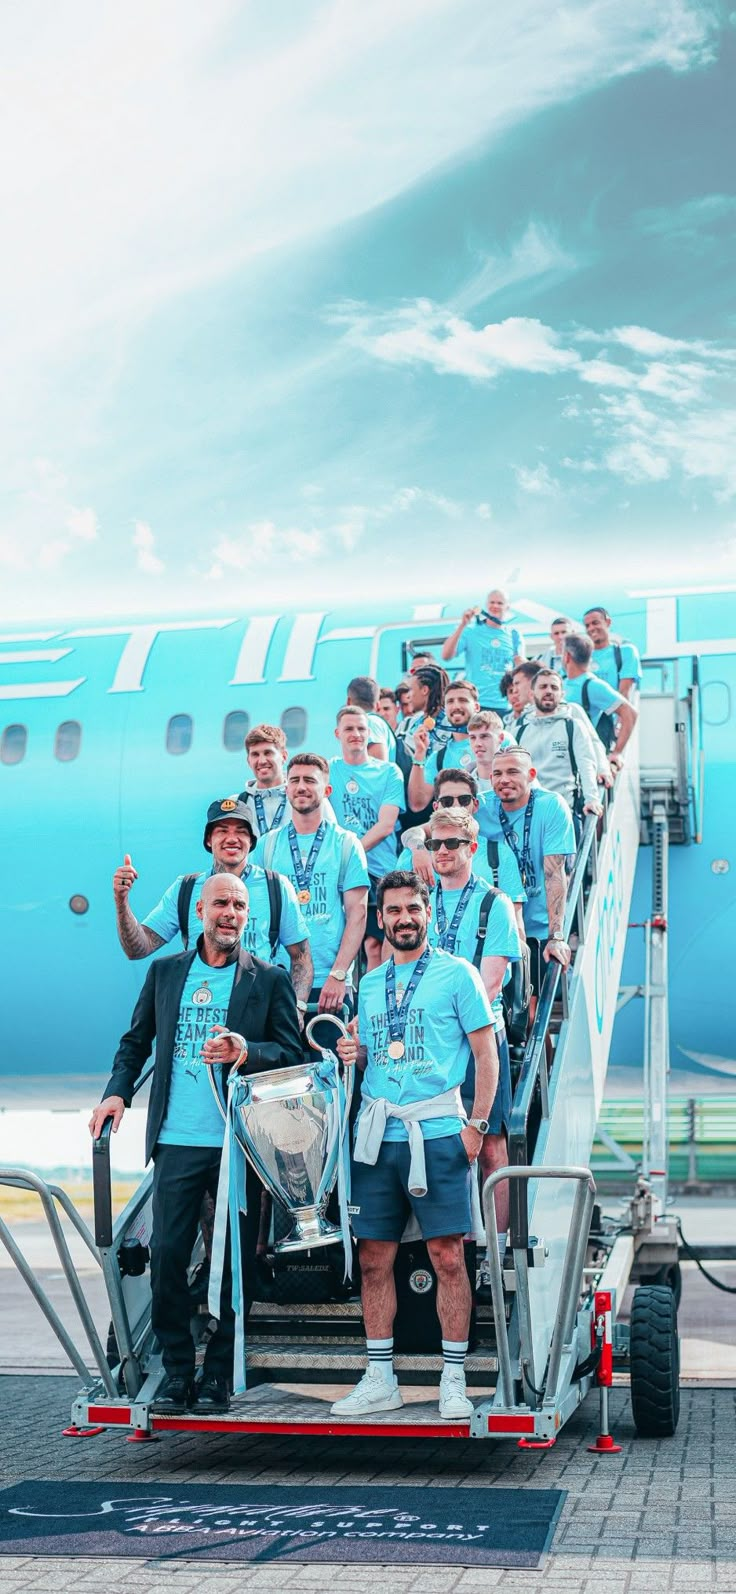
(454, 1352)
(381, 1354)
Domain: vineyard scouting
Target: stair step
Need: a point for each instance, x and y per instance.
(291, 1363)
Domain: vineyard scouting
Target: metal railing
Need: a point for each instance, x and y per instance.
(49, 1194)
(531, 1097)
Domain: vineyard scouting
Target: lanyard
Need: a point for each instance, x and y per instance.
(523, 858)
(448, 935)
(398, 1016)
(304, 871)
(263, 825)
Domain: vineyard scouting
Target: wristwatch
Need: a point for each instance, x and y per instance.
(481, 1124)
(558, 936)
(338, 974)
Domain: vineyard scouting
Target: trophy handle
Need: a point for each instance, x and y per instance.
(347, 1068)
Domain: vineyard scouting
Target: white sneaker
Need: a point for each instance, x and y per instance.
(377, 1391)
(453, 1399)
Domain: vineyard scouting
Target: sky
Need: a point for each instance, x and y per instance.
(308, 302)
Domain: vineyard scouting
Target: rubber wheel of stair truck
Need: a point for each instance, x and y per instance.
(654, 1348)
(672, 1277)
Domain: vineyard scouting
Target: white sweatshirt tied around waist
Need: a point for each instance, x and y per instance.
(371, 1128)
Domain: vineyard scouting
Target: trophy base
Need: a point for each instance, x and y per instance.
(310, 1230)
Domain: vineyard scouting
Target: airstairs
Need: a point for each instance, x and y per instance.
(549, 1332)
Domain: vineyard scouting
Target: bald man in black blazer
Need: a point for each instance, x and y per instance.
(261, 1031)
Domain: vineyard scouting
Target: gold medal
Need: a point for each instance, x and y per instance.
(428, 722)
(396, 1049)
(304, 896)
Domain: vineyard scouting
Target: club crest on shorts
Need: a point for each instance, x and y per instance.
(421, 1281)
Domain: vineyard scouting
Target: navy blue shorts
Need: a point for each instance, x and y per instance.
(500, 1113)
(380, 1202)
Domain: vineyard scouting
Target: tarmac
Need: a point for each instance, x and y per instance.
(659, 1516)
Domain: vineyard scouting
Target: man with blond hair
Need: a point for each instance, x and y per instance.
(474, 921)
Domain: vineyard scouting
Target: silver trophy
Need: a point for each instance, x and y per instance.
(292, 1124)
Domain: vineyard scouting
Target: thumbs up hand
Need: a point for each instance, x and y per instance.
(123, 879)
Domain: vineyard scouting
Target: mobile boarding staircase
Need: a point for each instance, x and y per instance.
(551, 1329)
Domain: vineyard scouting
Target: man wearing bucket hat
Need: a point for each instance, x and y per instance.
(275, 920)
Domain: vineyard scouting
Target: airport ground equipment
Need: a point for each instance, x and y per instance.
(551, 1329)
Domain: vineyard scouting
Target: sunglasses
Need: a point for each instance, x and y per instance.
(450, 842)
(465, 801)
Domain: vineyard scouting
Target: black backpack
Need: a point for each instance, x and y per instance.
(274, 902)
(606, 727)
(516, 993)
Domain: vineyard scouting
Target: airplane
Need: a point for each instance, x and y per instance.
(115, 736)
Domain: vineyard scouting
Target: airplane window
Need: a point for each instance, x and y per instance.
(179, 733)
(294, 726)
(235, 730)
(67, 741)
(13, 744)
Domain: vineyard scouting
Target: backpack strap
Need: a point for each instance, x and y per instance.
(492, 856)
(483, 917)
(441, 756)
(618, 656)
(586, 697)
(570, 728)
(184, 902)
(273, 881)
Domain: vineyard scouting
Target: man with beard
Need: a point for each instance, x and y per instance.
(536, 826)
(421, 1016)
(327, 867)
(212, 1007)
(461, 702)
(560, 746)
(274, 919)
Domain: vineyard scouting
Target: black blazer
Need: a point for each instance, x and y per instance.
(262, 1008)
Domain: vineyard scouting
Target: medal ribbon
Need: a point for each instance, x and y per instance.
(263, 825)
(448, 934)
(523, 858)
(398, 1016)
(304, 871)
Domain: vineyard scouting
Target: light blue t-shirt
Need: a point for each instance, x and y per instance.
(551, 831)
(358, 792)
(602, 698)
(192, 1116)
(509, 879)
(502, 936)
(164, 918)
(457, 755)
(489, 650)
(324, 912)
(448, 1004)
(380, 731)
(603, 664)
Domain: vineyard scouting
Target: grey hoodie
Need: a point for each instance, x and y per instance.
(545, 737)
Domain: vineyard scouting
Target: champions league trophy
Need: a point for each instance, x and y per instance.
(292, 1124)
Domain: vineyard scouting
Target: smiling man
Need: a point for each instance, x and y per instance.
(421, 1017)
(274, 920)
(212, 1007)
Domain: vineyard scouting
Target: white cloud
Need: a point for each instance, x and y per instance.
(484, 511)
(636, 461)
(147, 559)
(426, 334)
(537, 253)
(538, 481)
(83, 524)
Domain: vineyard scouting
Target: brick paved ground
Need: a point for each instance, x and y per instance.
(661, 1516)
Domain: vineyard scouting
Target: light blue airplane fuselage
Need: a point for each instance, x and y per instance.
(66, 824)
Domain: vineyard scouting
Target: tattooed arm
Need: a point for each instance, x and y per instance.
(136, 940)
(302, 972)
(555, 886)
